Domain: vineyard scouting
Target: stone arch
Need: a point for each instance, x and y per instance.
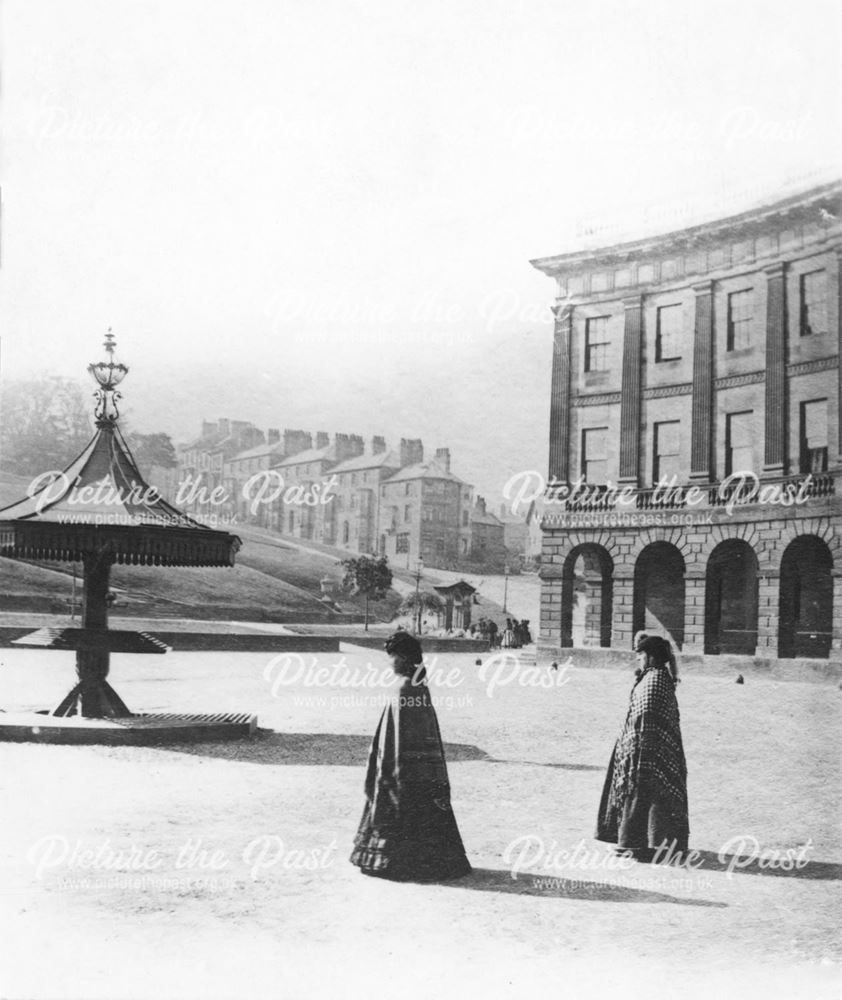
(720, 533)
(658, 601)
(731, 597)
(805, 617)
(587, 589)
(673, 536)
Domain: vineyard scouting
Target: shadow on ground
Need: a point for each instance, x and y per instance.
(270, 747)
(494, 880)
(710, 861)
(548, 763)
(306, 748)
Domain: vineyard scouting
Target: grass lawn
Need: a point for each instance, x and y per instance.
(270, 580)
(241, 882)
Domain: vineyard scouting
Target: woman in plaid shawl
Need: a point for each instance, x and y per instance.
(644, 801)
(408, 830)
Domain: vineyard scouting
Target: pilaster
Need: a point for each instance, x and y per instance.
(630, 395)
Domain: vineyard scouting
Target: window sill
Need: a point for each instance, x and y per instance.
(740, 352)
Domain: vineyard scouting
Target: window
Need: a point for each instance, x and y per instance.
(668, 336)
(407, 512)
(740, 318)
(814, 436)
(739, 450)
(428, 513)
(464, 519)
(402, 542)
(596, 344)
(346, 533)
(813, 304)
(407, 489)
(666, 447)
(440, 546)
(594, 463)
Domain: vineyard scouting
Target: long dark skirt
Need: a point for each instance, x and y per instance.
(408, 830)
(643, 808)
(640, 822)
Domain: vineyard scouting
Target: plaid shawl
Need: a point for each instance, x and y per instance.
(649, 755)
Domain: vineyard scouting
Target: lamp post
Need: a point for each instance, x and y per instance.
(418, 569)
(505, 586)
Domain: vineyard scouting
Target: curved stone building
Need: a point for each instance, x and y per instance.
(695, 438)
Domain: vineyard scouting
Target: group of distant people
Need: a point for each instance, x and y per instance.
(513, 636)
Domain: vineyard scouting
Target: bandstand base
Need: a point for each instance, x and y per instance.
(138, 729)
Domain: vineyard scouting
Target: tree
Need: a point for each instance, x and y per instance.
(152, 449)
(44, 423)
(426, 600)
(367, 576)
(417, 604)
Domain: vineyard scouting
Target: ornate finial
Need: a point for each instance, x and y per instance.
(108, 375)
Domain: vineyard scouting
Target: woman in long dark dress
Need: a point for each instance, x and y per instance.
(644, 800)
(408, 830)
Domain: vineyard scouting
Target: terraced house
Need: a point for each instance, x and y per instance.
(695, 437)
(341, 494)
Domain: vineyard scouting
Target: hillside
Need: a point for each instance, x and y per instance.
(271, 581)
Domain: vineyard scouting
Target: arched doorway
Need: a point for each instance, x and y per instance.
(731, 599)
(659, 592)
(805, 617)
(586, 597)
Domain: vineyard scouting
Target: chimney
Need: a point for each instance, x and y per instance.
(322, 439)
(378, 445)
(443, 458)
(224, 426)
(480, 505)
(296, 441)
(348, 446)
(273, 436)
(412, 451)
(208, 428)
(248, 435)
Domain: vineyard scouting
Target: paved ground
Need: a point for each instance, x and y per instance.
(220, 870)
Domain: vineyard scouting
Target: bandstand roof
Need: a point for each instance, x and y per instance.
(101, 503)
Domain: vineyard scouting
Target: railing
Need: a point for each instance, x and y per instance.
(742, 489)
(785, 491)
(671, 498)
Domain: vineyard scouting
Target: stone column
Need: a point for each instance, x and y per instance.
(768, 606)
(836, 640)
(776, 402)
(701, 447)
(621, 610)
(549, 625)
(694, 611)
(839, 354)
(560, 395)
(631, 395)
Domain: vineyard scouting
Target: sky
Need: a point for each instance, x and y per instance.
(321, 214)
